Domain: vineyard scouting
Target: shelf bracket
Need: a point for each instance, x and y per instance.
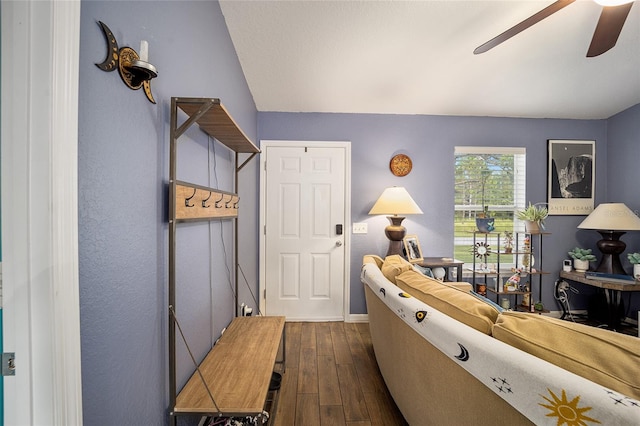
(189, 122)
(244, 163)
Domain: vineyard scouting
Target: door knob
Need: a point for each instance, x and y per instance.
(338, 243)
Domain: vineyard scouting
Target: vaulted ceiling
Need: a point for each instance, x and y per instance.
(416, 57)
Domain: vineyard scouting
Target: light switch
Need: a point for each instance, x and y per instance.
(360, 228)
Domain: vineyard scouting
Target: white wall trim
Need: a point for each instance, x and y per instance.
(347, 206)
(357, 318)
(40, 62)
(67, 379)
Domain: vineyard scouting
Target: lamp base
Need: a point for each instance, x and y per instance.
(611, 247)
(395, 233)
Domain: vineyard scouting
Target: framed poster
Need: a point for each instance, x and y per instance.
(571, 177)
(412, 248)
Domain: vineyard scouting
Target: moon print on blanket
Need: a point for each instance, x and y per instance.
(464, 353)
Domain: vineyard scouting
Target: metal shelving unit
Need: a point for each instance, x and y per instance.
(529, 259)
(191, 202)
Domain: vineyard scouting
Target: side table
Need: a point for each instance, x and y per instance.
(444, 262)
(612, 291)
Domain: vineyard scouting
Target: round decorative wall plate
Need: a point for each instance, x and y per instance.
(400, 165)
(481, 249)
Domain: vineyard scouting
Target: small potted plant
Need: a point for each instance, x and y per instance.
(581, 258)
(533, 217)
(634, 258)
(508, 241)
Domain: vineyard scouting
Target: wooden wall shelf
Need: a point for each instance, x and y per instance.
(214, 120)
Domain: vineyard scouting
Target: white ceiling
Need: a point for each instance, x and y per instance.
(416, 57)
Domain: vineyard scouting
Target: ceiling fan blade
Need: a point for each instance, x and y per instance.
(608, 29)
(530, 21)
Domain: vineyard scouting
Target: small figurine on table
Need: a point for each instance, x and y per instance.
(513, 282)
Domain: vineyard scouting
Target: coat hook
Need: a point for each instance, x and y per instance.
(226, 205)
(235, 205)
(204, 202)
(186, 200)
(217, 205)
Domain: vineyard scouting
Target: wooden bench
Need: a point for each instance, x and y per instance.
(237, 370)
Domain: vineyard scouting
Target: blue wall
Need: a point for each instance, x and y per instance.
(123, 172)
(123, 232)
(430, 142)
(623, 134)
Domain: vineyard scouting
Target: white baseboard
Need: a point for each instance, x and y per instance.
(357, 318)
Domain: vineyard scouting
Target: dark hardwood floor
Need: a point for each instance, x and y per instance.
(332, 378)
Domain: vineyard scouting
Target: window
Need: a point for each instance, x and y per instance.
(487, 179)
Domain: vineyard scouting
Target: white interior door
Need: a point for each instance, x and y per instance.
(305, 230)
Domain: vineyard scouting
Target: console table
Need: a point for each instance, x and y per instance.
(612, 290)
(443, 262)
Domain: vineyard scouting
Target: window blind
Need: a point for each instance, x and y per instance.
(491, 180)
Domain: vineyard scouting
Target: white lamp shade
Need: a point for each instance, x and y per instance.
(611, 217)
(395, 201)
(612, 2)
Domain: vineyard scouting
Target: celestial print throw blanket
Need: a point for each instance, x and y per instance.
(544, 393)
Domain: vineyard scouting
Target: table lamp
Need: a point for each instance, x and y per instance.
(611, 220)
(395, 201)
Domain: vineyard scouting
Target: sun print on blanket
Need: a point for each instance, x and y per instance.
(567, 411)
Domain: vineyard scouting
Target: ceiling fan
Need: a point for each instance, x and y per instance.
(605, 36)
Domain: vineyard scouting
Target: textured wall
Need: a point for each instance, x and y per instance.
(123, 172)
(623, 133)
(123, 232)
(430, 142)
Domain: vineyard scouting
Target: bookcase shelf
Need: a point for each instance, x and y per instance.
(525, 254)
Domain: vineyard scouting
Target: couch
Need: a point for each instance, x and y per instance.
(449, 356)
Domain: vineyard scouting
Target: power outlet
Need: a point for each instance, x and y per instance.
(245, 310)
(360, 228)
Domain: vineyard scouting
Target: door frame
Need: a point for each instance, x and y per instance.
(264, 144)
(39, 118)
